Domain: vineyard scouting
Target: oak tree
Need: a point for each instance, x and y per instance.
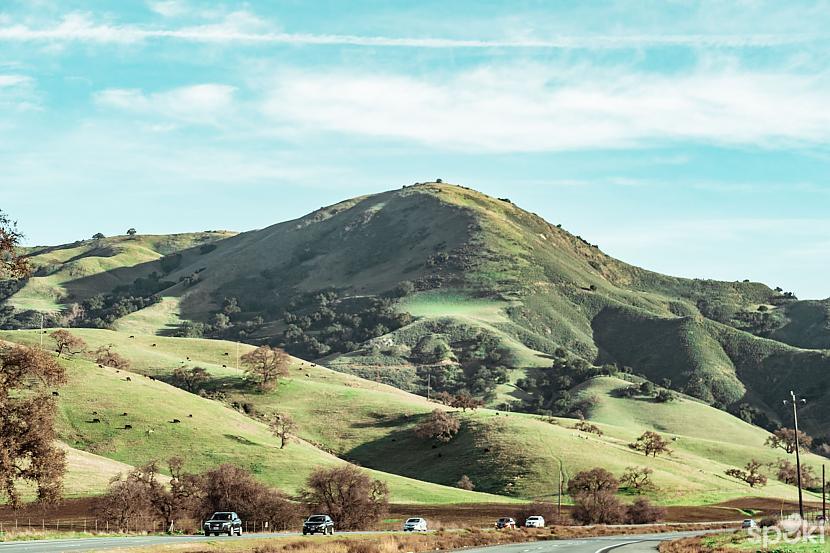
(651, 443)
(66, 342)
(439, 425)
(283, 427)
(27, 424)
(265, 365)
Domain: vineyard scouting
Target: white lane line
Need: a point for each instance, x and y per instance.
(616, 545)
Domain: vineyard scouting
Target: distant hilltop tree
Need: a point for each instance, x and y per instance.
(131, 232)
(98, 236)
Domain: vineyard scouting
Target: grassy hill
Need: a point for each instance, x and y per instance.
(477, 293)
(341, 416)
(136, 425)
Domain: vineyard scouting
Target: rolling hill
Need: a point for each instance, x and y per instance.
(439, 284)
(512, 455)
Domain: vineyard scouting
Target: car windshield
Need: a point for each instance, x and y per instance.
(221, 516)
(414, 520)
(317, 519)
(534, 518)
(504, 520)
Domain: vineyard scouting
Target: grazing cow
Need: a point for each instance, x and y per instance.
(150, 431)
(190, 416)
(96, 420)
(224, 366)
(100, 366)
(128, 427)
(124, 414)
(153, 345)
(226, 353)
(175, 421)
(56, 394)
(132, 336)
(188, 358)
(95, 412)
(129, 379)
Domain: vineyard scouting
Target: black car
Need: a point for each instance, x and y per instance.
(318, 524)
(224, 522)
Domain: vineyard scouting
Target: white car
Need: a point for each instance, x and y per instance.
(415, 525)
(749, 523)
(535, 522)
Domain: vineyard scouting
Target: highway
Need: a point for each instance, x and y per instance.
(620, 544)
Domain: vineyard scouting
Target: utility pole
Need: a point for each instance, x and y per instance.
(797, 453)
(559, 500)
(41, 330)
(237, 355)
(429, 383)
(823, 497)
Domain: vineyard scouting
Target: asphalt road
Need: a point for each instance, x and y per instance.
(621, 544)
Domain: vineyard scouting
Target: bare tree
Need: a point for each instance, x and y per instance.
(350, 496)
(439, 425)
(643, 512)
(66, 342)
(191, 380)
(27, 424)
(594, 492)
(265, 365)
(104, 355)
(231, 488)
(784, 438)
(465, 401)
(12, 264)
(465, 483)
(283, 427)
(651, 443)
(637, 479)
(751, 474)
(788, 473)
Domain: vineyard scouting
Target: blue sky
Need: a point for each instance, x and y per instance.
(686, 137)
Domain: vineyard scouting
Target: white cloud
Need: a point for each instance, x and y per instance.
(203, 103)
(542, 108)
(8, 81)
(168, 8)
(243, 27)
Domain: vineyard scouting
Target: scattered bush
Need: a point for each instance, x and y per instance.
(643, 512)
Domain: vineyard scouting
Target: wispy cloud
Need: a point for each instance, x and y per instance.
(542, 108)
(7, 81)
(203, 103)
(238, 28)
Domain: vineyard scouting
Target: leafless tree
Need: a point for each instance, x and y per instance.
(350, 496)
(651, 443)
(465, 483)
(751, 474)
(439, 425)
(594, 492)
(637, 479)
(105, 355)
(784, 438)
(265, 365)
(191, 380)
(283, 427)
(66, 342)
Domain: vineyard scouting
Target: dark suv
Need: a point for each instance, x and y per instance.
(318, 524)
(224, 522)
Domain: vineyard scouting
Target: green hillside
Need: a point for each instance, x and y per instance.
(343, 416)
(440, 285)
(74, 272)
(136, 425)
